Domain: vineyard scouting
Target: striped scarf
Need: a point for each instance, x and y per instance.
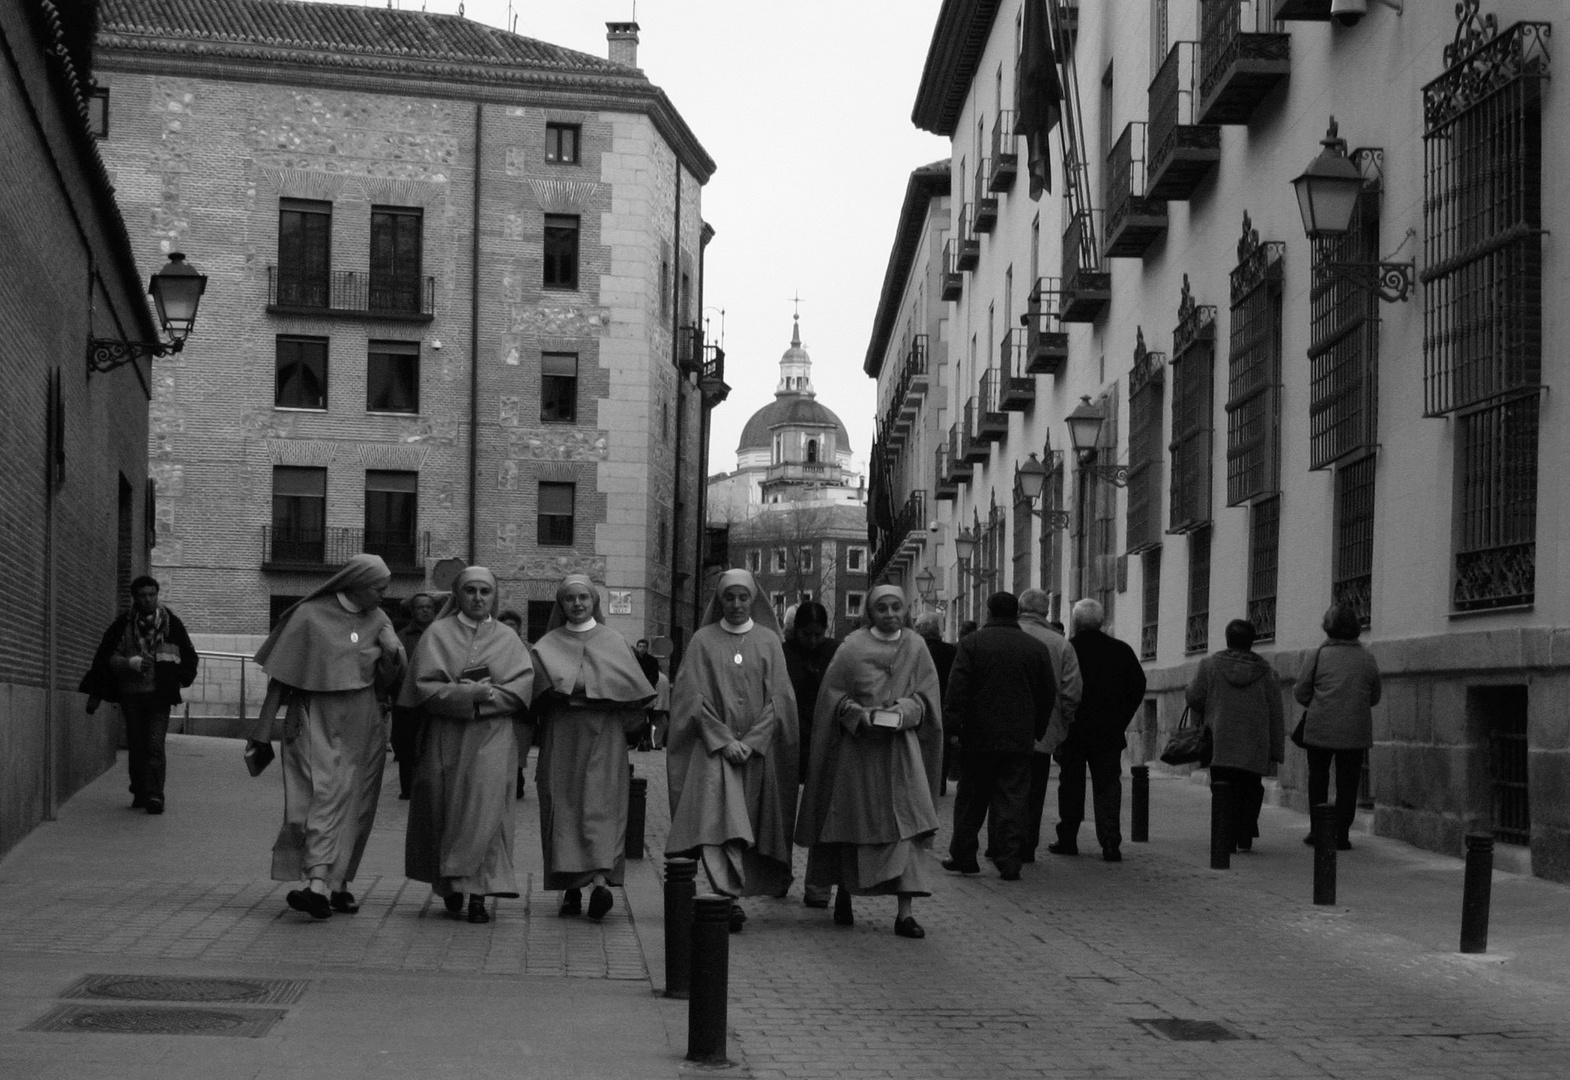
(147, 631)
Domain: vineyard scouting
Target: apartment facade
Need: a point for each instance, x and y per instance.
(1286, 421)
(452, 315)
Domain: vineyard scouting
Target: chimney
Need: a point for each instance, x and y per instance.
(623, 38)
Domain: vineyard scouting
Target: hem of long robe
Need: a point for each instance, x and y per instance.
(472, 886)
(891, 869)
(558, 880)
(737, 870)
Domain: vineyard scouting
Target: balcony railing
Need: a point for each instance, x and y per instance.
(819, 472)
(329, 548)
(953, 280)
(986, 201)
(1019, 386)
(959, 466)
(1239, 64)
(1087, 288)
(992, 423)
(913, 376)
(1182, 151)
(945, 484)
(1046, 342)
(969, 243)
(1134, 222)
(974, 448)
(712, 381)
(1005, 153)
(349, 293)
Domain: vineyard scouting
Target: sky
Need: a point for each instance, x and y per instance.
(805, 108)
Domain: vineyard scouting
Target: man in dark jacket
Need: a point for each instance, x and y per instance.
(1113, 689)
(999, 702)
(143, 661)
(930, 627)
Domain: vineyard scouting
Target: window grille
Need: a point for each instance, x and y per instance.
(1343, 352)
(1196, 637)
(1051, 542)
(1150, 586)
(1482, 211)
(1021, 552)
(1352, 581)
(1264, 558)
(1193, 396)
(1496, 506)
(1145, 453)
(1103, 558)
(1503, 710)
(1254, 370)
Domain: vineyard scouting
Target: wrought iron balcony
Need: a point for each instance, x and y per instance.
(914, 375)
(712, 381)
(945, 485)
(1086, 287)
(1239, 64)
(910, 525)
(969, 244)
(1181, 150)
(974, 448)
(1019, 387)
(986, 201)
(1046, 342)
(959, 467)
(1134, 222)
(329, 548)
(992, 423)
(350, 294)
(1005, 153)
(953, 280)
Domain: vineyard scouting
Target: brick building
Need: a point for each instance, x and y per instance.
(457, 273)
(73, 492)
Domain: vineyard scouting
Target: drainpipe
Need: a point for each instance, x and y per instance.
(698, 563)
(681, 379)
(474, 346)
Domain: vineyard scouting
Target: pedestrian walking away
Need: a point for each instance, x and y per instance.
(808, 653)
(877, 747)
(731, 764)
(1338, 690)
(469, 676)
(589, 694)
(1035, 609)
(328, 661)
(1113, 688)
(1238, 696)
(143, 662)
(999, 704)
(930, 627)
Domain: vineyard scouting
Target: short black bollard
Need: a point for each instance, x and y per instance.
(707, 1015)
(1220, 825)
(1139, 805)
(637, 809)
(1323, 819)
(680, 885)
(1475, 892)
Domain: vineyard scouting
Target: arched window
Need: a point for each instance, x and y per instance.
(812, 451)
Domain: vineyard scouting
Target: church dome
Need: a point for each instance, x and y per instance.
(794, 403)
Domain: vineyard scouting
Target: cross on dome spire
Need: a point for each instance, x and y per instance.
(795, 364)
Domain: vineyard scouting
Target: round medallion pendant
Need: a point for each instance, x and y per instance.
(354, 636)
(738, 658)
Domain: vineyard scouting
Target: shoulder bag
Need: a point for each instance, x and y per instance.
(1190, 744)
(1302, 721)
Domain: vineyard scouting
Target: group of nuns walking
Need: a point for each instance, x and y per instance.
(866, 800)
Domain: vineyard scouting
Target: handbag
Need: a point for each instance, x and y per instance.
(1190, 744)
(1302, 721)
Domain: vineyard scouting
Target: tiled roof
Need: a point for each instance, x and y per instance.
(340, 29)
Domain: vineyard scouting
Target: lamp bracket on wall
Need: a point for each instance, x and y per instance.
(106, 354)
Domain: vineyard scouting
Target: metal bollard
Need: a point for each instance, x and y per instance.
(707, 1008)
(1323, 818)
(1139, 805)
(637, 811)
(1220, 825)
(680, 885)
(1475, 892)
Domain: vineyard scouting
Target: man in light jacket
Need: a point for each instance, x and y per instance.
(1035, 611)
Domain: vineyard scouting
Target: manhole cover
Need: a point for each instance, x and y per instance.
(179, 988)
(153, 1021)
(1189, 1030)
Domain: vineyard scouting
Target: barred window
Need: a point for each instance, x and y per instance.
(1264, 560)
(1150, 586)
(1343, 352)
(1352, 581)
(1050, 544)
(1254, 371)
(1102, 504)
(1193, 400)
(1021, 554)
(1145, 452)
(1496, 506)
(1196, 637)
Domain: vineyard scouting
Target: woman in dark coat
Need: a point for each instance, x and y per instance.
(1340, 688)
(1238, 696)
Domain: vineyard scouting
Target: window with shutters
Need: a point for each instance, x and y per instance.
(1193, 406)
(1264, 557)
(1254, 371)
(1196, 637)
(1145, 447)
(1482, 296)
(1353, 574)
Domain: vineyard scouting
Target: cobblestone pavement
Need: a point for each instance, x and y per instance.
(1060, 974)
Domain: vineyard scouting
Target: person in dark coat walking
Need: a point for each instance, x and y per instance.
(930, 627)
(808, 652)
(1238, 696)
(999, 702)
(1113, 688)
(1339, 689)
(144, 660)
(406, 722)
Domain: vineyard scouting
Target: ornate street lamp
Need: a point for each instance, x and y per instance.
(965, 549)
(177, 291)
(924, 584)
(1084, 429)
(1032, 478)
(1328, 192)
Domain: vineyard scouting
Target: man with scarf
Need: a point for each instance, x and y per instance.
(143, 661)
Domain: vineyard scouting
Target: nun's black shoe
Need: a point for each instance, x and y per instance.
(599, 902)
(571, 902)
(453, 902)
(477, 912)
(844, 914)
(909, 927)
(314, 904)
(344, 902)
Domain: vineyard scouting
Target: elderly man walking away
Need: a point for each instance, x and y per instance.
(1114, 687)
(1035, 611)
(143, 661)
(1000, 698)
